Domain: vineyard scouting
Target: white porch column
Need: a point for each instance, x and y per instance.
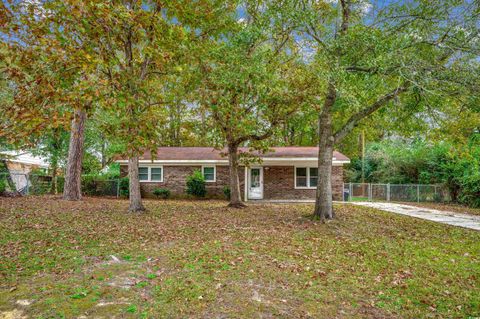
(245, 195)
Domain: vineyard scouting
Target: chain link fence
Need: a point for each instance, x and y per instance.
(395, 192)
(33, 184)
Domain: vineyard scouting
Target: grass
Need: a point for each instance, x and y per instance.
(201, 259)
(359, 199)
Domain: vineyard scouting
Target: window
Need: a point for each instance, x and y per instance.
(209, 173)
(150, 174)
(306, 177)
(156, 174)
(143, 173)
(301, 177)
(255, 177)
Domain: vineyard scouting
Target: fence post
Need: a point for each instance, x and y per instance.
(435, 193)
(388, 192)
(28, 184)
(418, 193)
(118, 188)
(350, 186)
(370, 192)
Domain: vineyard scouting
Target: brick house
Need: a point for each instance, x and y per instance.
(284, 173)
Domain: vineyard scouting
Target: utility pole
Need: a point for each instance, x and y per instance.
(363, 163)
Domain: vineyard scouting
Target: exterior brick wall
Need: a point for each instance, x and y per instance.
(279, 182)
(223, 179)
(175, 179)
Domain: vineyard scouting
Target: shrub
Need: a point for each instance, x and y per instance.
(196, 184)
(161, 193)
(455, 166)
(3, 186)
(39, 184)
(468, 177)
(89, 185)
(226, 192)
(60, 184)
(124, 187)
(113, 171)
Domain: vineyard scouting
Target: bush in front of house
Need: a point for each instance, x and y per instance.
(161, 193)
(196, 184)
(226, 192)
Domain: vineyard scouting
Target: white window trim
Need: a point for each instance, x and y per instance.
(308, 177)
(214, 173)
(149, 180)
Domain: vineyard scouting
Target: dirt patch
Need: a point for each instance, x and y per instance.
(13, 314)
(24, 302)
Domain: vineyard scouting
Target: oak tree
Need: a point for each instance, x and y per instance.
(381, 57)
(46, 59)
(250, 86)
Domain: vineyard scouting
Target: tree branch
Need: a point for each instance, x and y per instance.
(345, 16)
(357, 117)
(254, 137)
(268, 133)
(355, 68)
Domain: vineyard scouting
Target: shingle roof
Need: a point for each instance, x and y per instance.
(209, 153)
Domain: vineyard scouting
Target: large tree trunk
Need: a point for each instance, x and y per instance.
(135, 196)
(323, 203)
(326, 140)
(235, 197)
(73, 177)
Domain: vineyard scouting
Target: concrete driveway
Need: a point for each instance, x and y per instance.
(444, 217)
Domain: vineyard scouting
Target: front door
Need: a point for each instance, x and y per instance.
(255, 183)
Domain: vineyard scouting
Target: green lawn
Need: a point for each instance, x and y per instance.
(199, 259)
(359, 199)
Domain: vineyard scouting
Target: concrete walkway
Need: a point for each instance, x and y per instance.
(444, 217)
